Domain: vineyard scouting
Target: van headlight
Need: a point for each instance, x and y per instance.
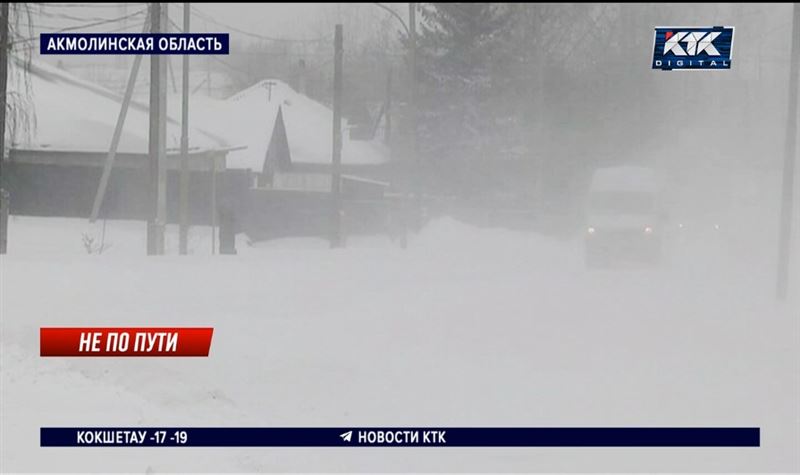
(648, 230)
(590, 230)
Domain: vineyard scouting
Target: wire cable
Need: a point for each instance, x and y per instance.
(80, 27)
(211, 19)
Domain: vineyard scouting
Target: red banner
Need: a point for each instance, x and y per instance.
(125, 341)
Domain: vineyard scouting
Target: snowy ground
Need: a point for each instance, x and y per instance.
(467, 327)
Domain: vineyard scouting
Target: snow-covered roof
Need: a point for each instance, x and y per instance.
(250, 118)
(626, 179)
(75, 115)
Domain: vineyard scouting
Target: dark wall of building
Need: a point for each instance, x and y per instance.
(68, 191)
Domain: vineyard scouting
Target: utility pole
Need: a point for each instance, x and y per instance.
(161, 209)
(152, 146)
(183, 231)
(336, 170)
(112, 150)
(214, 210)
(416, 162)
(387, 110)
(411, 159)
(208, 69)
(4, 197)
(790, 153)
(157, 138)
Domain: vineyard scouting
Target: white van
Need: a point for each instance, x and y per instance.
(624, 220)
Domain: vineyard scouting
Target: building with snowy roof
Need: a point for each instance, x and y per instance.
(72, 115)
(59, 142)
(285, 139)
(266, 149)
(288, 139)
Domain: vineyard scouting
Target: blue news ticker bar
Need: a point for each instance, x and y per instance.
(401, 437)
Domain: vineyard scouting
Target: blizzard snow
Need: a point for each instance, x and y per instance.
(625, 179)
(467, 327)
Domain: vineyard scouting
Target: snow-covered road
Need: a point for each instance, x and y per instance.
(467, 327)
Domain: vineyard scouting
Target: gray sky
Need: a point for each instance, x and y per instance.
(269, 19)
(286, 20)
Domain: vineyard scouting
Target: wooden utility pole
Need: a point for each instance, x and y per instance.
(171, 74)
(183, 231)
(157, 138)
(152, 146)
(4, 197)
(213, 164)
(112, 150)
(790, 153)
(161, 209)
(387, 110)
(416, 162)
(208, 69)
(336, 170)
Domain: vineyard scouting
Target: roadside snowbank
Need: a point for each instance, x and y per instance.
(467, 327)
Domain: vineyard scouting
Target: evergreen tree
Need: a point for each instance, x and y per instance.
(461, 59)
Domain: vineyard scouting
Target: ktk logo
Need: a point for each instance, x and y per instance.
(696, 43)
(693, 48)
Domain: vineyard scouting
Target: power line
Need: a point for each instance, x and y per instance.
(137, 28)
(214, 57)
(65, 16)
(86, 25)
(206, 17)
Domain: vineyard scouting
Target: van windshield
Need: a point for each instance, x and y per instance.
(621, 202)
